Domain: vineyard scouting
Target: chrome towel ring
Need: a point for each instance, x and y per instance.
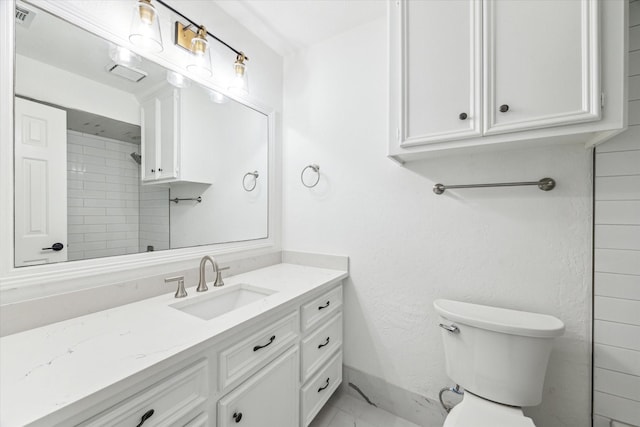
(255, 176)
(314, 168)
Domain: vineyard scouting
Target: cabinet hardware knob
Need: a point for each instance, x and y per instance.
(55, 247)
(153, 170)
(504, 108)
(258, 347)
(325, 343)
(159, 169)
(237, 416)
(145, 417)
(463, 116)
(324, 386)
(324, 306)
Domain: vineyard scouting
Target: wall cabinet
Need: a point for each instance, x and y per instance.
(482, 72)
(169, 151)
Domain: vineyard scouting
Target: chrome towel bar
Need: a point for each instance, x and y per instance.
(545, 184)
(195, 199)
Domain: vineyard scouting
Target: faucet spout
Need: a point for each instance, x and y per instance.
(202, 283)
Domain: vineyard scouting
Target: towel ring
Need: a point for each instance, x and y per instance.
(314, 168)
(255, 176)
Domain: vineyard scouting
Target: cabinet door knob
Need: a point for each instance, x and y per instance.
(159, 169)
(504, 108)
(153, 170)
(55, 247)
(237, 416)
(145, 417)
(463, 116)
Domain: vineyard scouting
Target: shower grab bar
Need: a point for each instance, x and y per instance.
(177, 200)
(545, 184)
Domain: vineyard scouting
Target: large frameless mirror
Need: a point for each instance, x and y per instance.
(116, 155)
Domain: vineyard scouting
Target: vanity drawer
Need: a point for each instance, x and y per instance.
(321, 308)
(320, 388)
(174, 401)
(256, 350)
(320, 345)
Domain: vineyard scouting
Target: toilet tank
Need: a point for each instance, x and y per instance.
(496, 353)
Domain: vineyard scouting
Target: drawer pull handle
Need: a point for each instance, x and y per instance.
(237, 416)
(325, 343)
(145, 417)
(258, 347)
(324, 306)
(324, 386)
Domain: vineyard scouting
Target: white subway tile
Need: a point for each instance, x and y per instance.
(618, 163)
(121, 196)
(634, 13)
(627, 140)
(86, 228)
(85, 176)
(106, 186)
(132, 204)
(101, 203)
(104, 220)
(122, 211)
(86, 194)
(85, 211)
(617, 285)
(616, 383)
(82, 159)
(616, 359)
(634, 113)
(99, 152)
(74, 202)
(617, 237)
(617, 408)
(616, 334)
(617, 212)
(124, 243)
(74, 148)
(617, 261)
(634, 63)
(87, 246)
(74, 220)
(634, 88)
(75, 238)
(634, 38)
(618, 188)
(122, 227)
(121, 179)
(74, 184)
(617, 310)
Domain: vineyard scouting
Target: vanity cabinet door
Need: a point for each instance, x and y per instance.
(160, 137)
(541, 64)
(269, 398)
(435, 70)
(150, 112)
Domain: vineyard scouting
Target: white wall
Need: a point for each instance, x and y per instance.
(102, 196)
(616, 332)
(70, 90)
(512, 247)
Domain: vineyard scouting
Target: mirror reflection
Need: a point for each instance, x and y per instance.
(116, 155)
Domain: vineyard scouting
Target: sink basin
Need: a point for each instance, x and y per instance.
(222, 301)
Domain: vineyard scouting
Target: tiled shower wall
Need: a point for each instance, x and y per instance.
(154, 217)
(616, 357)
(102, 197)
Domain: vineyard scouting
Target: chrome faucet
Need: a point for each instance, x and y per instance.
(202, 283)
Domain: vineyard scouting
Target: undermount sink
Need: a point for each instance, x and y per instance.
(222, 301)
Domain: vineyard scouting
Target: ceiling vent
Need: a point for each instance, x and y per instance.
(131, 74)
(24, 16)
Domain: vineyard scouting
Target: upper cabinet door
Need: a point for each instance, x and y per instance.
(437, 60)
(541, 64)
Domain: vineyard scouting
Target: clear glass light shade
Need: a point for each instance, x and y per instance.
(200, 64)
(178, 80)
(240, 81)
(145, 27)
(123, 56)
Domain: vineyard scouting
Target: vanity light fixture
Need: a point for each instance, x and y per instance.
(240, 82)
(196, 43)
(145, 27)
(178, 80)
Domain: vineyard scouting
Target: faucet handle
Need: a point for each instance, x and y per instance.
(180, 292)
(219, 281)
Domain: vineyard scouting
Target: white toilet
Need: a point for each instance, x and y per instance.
(499, 357)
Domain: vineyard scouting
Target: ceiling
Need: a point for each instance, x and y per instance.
(290, 25)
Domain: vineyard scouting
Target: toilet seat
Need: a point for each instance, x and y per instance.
(475, 411)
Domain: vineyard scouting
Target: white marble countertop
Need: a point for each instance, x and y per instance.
(47, 369)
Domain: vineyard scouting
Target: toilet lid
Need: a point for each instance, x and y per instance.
(474, 411)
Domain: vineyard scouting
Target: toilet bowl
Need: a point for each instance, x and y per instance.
(499, 356)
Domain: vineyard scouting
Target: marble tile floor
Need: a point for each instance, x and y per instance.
(343, 410)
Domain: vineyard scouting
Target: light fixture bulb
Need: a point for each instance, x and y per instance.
(240, 82)
(199, 42)
(178, 80)
(145, 27)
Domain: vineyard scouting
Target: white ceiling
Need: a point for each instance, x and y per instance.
(290, 25)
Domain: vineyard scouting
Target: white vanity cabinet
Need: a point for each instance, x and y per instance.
(173, 142)
(483, 72)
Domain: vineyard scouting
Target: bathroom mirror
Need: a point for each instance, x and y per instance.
(113, 159)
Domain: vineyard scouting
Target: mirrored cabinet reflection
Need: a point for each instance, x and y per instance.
(105, 139)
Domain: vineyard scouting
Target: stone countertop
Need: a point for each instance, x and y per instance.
(46, 369)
